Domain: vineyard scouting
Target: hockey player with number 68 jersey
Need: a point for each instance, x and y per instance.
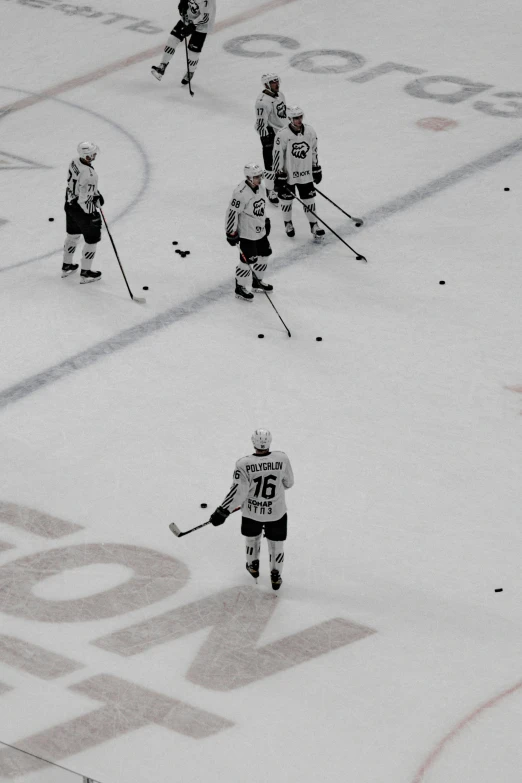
(247, 226)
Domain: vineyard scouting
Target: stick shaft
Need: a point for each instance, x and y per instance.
(256, 280)
(188, 69)
(333, 202)
(116, 253)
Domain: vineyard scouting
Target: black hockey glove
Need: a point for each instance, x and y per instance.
(317, 174)
(233, 239)
(188, 29)
(268, 226)
(281, 182)
(219, 516)
(98, 199)
(182, 7)
(268, 139)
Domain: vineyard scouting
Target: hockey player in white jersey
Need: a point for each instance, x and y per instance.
(258, 486)
(296, 164)
(247, 226)
(81, 216)
(270, 117)
(197, 19)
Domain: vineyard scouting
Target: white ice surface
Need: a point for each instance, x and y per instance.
(404, 435)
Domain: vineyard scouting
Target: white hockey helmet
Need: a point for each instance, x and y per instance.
(262, 439)
(269, 77)
(294, 111)
(87, 149)
(253, 170)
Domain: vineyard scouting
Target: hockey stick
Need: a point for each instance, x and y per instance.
(256, 282)
(189, 77)
(358, 256)
(177, 532)
(358, 221)
(139, 299)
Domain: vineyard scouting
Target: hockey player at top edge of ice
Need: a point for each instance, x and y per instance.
(247, 226)
(296, 164)
(197, 19)
(81, 216)
(259, 484)
(270, 117)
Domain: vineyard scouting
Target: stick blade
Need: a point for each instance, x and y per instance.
(139, 299)
(175, 529)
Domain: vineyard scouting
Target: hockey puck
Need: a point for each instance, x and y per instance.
(506, 188)
(51, 220)
(203, 505)
(145, 287)
(187, 252)
(359, 258)
(442, 282)
(261, 336)
(318, 339)
(177, 251)
(358, 225)
(498, 589)
(174, 243)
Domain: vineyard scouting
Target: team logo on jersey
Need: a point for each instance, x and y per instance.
(193, 8)
(300, 149)
(259, 207)
(281, 110)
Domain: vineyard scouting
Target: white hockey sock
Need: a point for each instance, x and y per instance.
(253, 547)
(170, 48)
(309, 209)
(286, 209)
(277, 555)
(193, 60)
(69, 246)
(88, 256)
(243, 275)
(269, 179)
(259, 268)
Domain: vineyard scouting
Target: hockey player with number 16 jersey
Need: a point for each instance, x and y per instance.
(259, 484)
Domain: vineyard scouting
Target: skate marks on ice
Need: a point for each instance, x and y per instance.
(229, 658)
(155, 576)
(31, 520)
(126, 707)
(129, 337)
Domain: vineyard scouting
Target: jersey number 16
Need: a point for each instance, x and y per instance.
(268, 488)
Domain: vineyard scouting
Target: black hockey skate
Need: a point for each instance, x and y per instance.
(275, 576)
(68, 269)
(272, 197)
(186, 78)
(259, 286)
(289, 228)
(316, 231)
(158, 71)
(242, 293)
(253, 568)
(87, 276)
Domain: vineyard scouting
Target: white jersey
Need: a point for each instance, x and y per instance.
(246, 212)
(82, 185)
(295, 152)
(202, 13)
(270, 112)
(259, 485)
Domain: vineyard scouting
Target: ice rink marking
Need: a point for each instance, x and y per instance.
(125, 62)
(451, 735)
(197, 304)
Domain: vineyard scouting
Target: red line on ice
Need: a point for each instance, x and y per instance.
(436, 752)
(118, 65)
